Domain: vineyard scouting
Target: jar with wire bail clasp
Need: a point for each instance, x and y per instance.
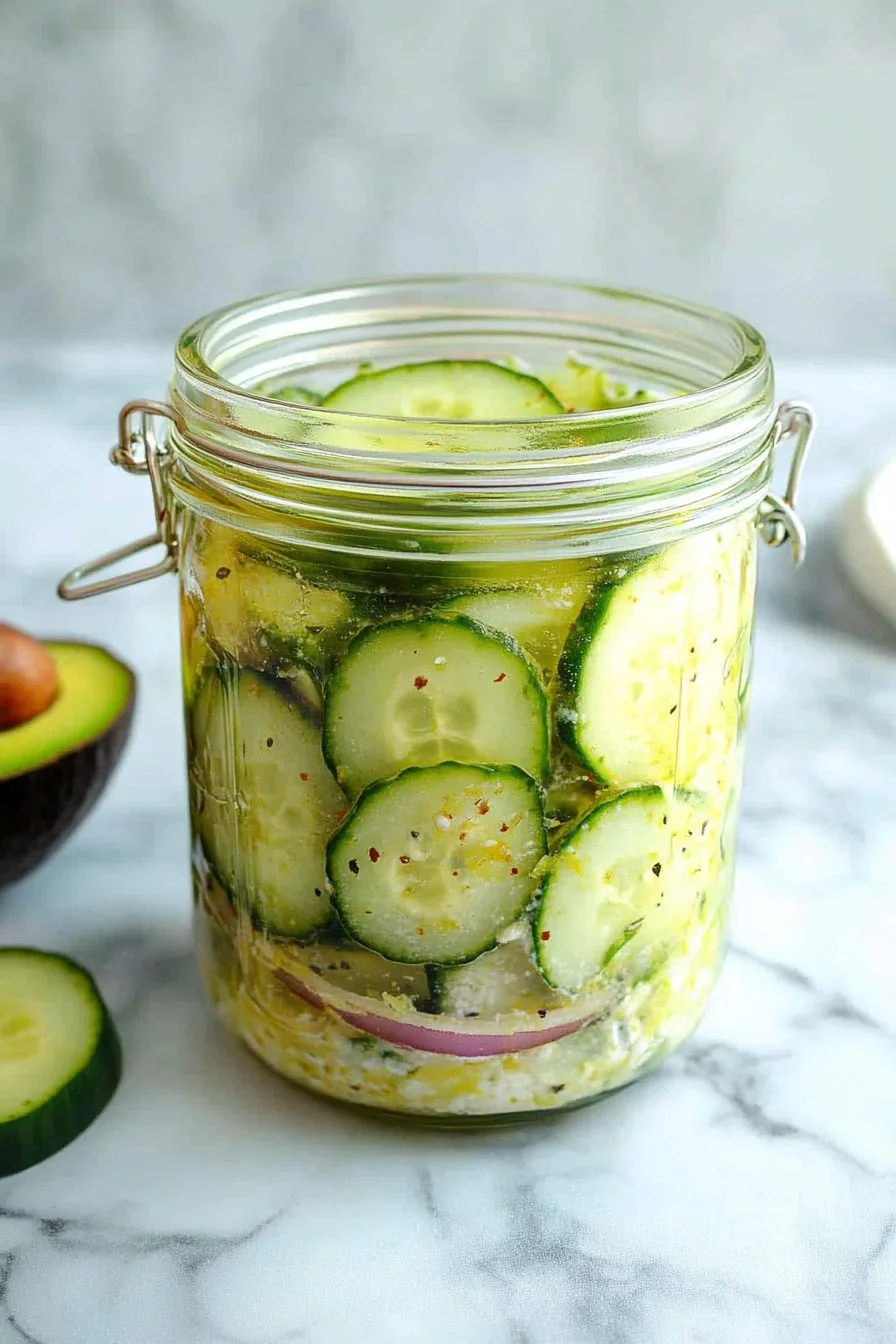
(467, 572)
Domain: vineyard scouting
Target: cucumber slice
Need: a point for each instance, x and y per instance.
(538, 616)
(260, 612)
(60, 1057)
(421, 692)
(620, 890)
(446, 389)
(264, 800)
(433, 864)
(356, 970)
(648, 686)
(505, 980)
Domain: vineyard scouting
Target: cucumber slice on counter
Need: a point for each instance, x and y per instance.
(619, 891)
(648, 685)
(60, 1057)
(421, 692)
(538, 616)
(432, 865)
(265, 801)
(446, 389)
(505, 980)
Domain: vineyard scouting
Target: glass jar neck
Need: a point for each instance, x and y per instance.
(599, 480)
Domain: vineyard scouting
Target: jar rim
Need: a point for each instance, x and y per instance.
(208, 340)
(684, 459)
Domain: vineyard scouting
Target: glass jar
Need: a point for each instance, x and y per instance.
(465, 699)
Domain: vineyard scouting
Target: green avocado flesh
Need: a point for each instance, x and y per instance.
(94, 690)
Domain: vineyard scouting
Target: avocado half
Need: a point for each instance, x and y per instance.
(54, 767)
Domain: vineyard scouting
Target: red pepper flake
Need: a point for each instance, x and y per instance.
(353, 866)
(373, 854)
(270, 741)
(504, 827)
(420, 933)
(404, 858)
(462, 836)
(514, 872)
(222, 573)
(502, 677)
(420, 682)
(482, 807)
(302, 775)
(546, 936)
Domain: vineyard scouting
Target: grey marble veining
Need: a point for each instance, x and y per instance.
(744, 1194)
(157, 159)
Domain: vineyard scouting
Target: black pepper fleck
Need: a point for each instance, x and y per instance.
(657, 869)
(353, 866)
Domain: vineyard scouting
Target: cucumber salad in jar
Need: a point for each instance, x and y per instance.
(463, 846)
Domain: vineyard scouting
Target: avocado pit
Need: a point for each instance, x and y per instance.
(29, 680)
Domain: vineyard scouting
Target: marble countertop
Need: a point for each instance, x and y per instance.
(745, 1193)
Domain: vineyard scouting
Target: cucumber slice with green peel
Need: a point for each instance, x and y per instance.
(431, 866)
(259, 612)
(648, 690)
(356, 970)
(60, 1057)
(621, 889)
(538, 616)
(426, 691)
(505, 980)
(264, 801)
(446, 389)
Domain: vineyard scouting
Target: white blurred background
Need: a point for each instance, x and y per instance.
(160, 157)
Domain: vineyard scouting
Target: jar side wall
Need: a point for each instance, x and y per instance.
(300, 717)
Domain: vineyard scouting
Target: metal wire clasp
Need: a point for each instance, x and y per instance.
(778, 518)
(138, 451)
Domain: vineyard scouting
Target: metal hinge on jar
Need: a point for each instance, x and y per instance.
(778, 518)
(138, 451)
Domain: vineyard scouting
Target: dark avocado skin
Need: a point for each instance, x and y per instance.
(40, 809)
